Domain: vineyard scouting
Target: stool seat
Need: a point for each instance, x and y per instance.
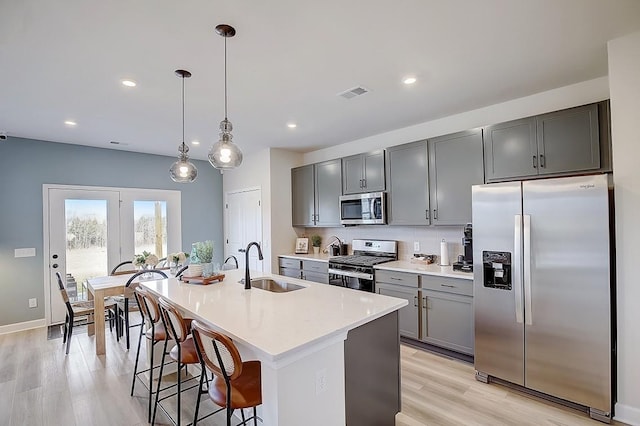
(188, 352)
(245, 390)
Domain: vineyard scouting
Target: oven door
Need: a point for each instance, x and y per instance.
(354, 280)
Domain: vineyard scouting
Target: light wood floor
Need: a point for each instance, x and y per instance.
(39, 385)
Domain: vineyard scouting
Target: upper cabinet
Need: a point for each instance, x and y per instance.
(455, 164)
(562, 142)
(315, 194)
(408, 184)
(363, 173)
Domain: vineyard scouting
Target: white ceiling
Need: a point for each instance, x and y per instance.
(64, 61)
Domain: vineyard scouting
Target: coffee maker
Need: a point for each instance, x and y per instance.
(465, 261)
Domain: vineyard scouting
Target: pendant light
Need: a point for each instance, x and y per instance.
(183, 170)
(224, 154)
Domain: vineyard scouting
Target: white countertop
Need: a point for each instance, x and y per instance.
(276, 324)
(423, 268)
(320, 257)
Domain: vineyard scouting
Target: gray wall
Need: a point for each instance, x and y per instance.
(25, 165)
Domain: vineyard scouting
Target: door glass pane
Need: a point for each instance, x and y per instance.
(150, 227)
(86, 248)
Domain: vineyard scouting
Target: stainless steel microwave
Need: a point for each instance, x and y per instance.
(363, 209)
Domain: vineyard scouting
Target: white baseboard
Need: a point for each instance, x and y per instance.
(21, 326)
(627, 414)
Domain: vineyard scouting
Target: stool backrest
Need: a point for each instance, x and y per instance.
(173, 321)
(216, 351)
(131, 285)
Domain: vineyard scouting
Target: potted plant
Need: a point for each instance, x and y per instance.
(316, 240)
(204, 250)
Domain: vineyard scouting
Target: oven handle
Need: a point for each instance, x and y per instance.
(351, 274)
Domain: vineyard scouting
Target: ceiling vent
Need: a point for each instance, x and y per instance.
(353, 92)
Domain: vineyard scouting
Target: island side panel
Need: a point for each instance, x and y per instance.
(372, 372)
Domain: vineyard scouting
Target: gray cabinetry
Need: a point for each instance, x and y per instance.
(315, 194)
(302, 196)
(408, 315)
(559, 143)
(455, 164)
(447, 312)
(404, 286)
(510, 149)
(568, 140)
(310, 270)
(363, 173)
(408, 184)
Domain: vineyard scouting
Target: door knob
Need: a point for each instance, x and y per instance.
(54, 266)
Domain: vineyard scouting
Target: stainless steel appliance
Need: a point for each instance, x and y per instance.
(465, 261)
(542, 287)
(363, 209)
(356, 271)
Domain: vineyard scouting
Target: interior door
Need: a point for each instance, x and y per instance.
(244, 225)
(83, 241)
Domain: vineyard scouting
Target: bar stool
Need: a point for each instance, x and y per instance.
(184, 352)
(155, 333)
(236, 384)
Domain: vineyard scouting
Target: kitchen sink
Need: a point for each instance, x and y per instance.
(274, 286)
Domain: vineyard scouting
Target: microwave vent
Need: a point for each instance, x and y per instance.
(353, 92)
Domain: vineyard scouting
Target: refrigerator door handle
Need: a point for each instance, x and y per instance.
(528, 314)
(517, 275)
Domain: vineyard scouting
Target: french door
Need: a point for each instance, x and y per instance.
(88, 231)
(84, 241)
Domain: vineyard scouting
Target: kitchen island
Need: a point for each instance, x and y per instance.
(330, 356)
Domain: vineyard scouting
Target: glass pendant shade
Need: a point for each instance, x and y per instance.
(183, 170)
(224, 154)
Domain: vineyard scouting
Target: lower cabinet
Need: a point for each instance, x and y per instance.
(310, 270)
(408, 317)
(439, 310)
(447, 320)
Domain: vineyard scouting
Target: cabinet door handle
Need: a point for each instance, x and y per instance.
(426, 214)
(446, 285)
(397, 279)
(415, 301)
(364, 183)
(435, 214)
(541, 161)
(535, 162)
(360, 183)
(424, 303)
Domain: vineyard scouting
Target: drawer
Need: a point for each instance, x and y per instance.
(399, 278)
(289, 263)
(320, 267)
(316, 277)
(290, 272)
(446, 284)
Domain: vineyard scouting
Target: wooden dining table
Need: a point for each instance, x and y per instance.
(99, 288)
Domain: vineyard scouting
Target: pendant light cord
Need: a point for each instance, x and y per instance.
(183, 113)
(225, 77)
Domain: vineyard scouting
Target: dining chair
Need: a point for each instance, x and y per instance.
(183, 353)
(236, 385)
(154, 333)
(181, 271)
(78, 309)
(123, 268)
(123, 307)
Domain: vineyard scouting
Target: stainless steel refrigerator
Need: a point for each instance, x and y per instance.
(542, 287)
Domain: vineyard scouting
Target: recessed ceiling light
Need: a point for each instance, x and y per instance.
(409, 80)
(129, 83)
(195, 142)
(292, 125)
(70, 123)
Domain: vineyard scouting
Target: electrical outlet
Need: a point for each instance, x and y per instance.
(33, 303)
(416, 247)
(321, 381)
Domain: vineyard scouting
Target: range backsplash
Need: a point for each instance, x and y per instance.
(428, 237)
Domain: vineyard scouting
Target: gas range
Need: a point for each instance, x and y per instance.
(356, 270)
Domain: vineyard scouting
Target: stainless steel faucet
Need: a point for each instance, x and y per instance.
(247, 278)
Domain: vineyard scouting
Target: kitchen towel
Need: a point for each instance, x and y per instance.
(444, 253)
